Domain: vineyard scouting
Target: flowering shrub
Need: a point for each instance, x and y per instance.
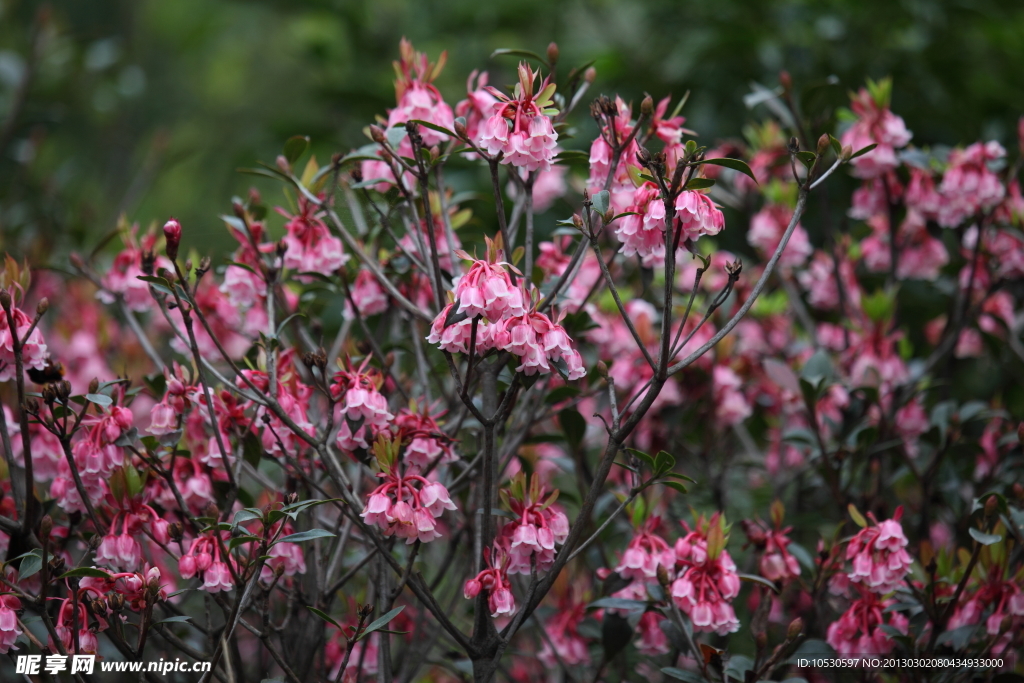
(217, 462)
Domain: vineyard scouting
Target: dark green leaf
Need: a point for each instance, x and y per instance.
(100, 399)
(519, 53)
(618, 603)
(734, 164)
(90, 572)
(380, 623)
(295, 147)
(615, 634)
(433, 126)
(303, 536)
(754, 578)
(863, 150)
(675, 486)
(252, 449)
(573, 426)
(601, 201)
(177, 619)
(324, 616)
(699, 183)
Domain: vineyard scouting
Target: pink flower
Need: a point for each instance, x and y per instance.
(731, 406)
(531, 538)
(564, 637)
(539, 344)
(521, 128)
(456, 337)
(968, 185)
(766, 230)
(878, 552)
(698, 215)
(644, 233)
(310, 246)
(217, 577)
(34, 352)
(478, 104)
(361, 408)
(858, 631)
(645, 553)
(402, 510)
(877, 125)
(494, 580)
(707, 582)
(10, 605)
(486, 290)
(818, 279)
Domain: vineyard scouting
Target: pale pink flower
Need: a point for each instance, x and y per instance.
(766, 230)
(10, 605)
(858, 631)
(878, 552)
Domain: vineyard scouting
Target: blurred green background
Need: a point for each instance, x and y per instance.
(147, 107)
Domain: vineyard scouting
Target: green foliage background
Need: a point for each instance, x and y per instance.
(147, 107)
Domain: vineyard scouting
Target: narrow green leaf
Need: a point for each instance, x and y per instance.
(983, 538)
(304, 536)
(90, 572)
(324, 616)
(295, 147)
(380, 623)
(734, 164)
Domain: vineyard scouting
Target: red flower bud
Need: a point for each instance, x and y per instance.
(172, 233)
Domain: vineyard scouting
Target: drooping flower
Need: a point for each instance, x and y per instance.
(859, 631)
(707, 582)
(876, 125)
(521, 128)
(310, 246)
(539, 526)
(361, 409)
(879, 555)
(494, 581)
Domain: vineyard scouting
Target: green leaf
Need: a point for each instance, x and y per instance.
(90, 572)
(663, 462)
(754, 578)
(837, 146)
(246, 515)
(519, 53)
(395, 136)
(433, 126)
(574, 427)
(31, 563)
(369, 184)
(682, 477)
(100, 399)
(601, 201)
(643, 456)
(806, 158)
(324, 616)
(380, 623)
(295, 147)
(734, 164)
(559, 394)
(817, 368)
(675, 486)
(252, 449)
(177, 619)
(863, 150)
(983, 538)
(856, 516)
(616, 633)
(618, 603)
(699, 183)
(304, 536)
(241, 540)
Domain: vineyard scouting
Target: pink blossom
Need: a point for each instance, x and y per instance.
(968, 185)
(402, 510)
(858, 631)
(494, 581)
(878, 552)
(564, 637)
(310, 246)
(644, 233)
(766, 230)
(34, 352)
(539, 344)
(698, 215)
(521, 128)
(531, 538)
(707, 582)
(486, 290)
(645, 553)
(877, 125)
(368, 295)
(10, 605)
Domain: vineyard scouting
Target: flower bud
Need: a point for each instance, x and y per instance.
(647, 106)
(991, 506)
(823, 143)
(796, 627)
(5, 299)
(94, 385)
(175, 531)
(45, 526)
(794, 145)
(172, 233)
(98, 606)
(847, 153)
(552, 53)
(116, 601)
(377, 135)
(76, 261)
(761, 640)
(238, 208)
(42, 306)
(282, 163)
(663, 577)
(1018, 491)
(590, 75)
(291, 498)
(365, 611)
(148, 262)
(460, 128)
(212, 511)
(785, 80)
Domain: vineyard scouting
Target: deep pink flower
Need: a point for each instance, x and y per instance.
(858, 631)
(521, 128)
(878, 552)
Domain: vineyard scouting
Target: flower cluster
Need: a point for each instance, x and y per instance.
(539, 526)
